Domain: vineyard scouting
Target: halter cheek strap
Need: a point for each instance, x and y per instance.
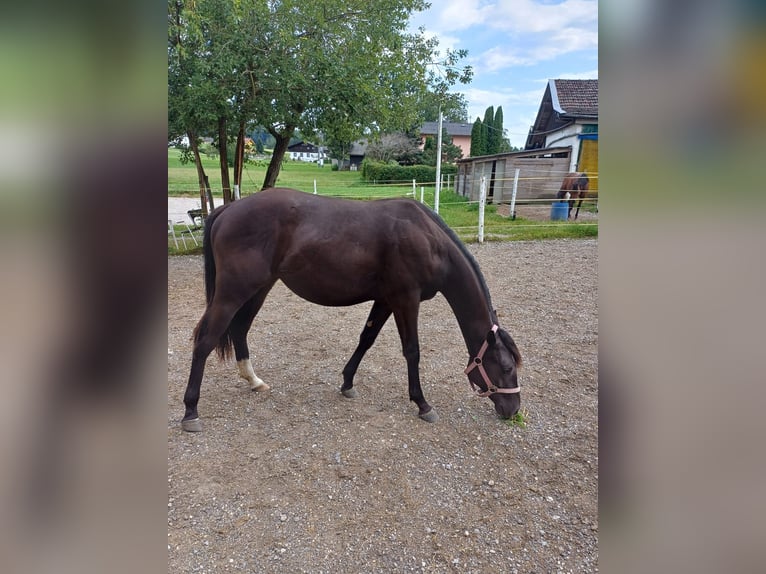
(478, 363)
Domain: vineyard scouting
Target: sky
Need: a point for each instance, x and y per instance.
(515, 47)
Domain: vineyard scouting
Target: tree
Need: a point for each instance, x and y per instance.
(342, 67)
(345, 67)
(188, 89)
(454, 107)
(478, 145)
(492, 138)
(450, 152)
(497, 131)
(398, 147)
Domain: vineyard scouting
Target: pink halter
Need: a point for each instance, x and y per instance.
(477, 362)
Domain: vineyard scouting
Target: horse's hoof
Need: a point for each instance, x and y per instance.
(430, 416)
(349, 393)
(192, 425)
(260, 388)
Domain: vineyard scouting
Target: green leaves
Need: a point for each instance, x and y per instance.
(340, 67)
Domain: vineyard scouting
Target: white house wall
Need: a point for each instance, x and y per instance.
(567, 137)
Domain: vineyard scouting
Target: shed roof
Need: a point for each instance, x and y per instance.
(358, 147)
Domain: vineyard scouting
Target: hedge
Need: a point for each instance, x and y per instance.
(377, 172)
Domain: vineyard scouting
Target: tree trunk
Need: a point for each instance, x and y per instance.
(223, 155)
(239, 156)
(280, 147)
(201, 176)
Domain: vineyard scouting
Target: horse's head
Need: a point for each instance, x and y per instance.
(494, 372)
(583, 181)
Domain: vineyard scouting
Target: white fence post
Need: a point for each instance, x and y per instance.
(236, 192)
(438, 164)
(315, 187)
(422, 191)
(413, 191)
(513, 196)
(482, 205)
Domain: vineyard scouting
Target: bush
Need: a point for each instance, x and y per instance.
(377, 172)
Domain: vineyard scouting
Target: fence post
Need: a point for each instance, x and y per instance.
(422, 190)
(438, 164)
(513, 196)
(236, 192)
(315, 187)
(482, 205)
(413, 191)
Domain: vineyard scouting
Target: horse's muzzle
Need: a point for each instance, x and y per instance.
(506, 405)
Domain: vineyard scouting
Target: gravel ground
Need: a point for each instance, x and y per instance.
(301, 479)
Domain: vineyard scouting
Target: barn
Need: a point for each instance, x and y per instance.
(563, 138)
(540, 174)
(568, 116)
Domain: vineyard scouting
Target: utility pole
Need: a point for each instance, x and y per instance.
(438, 163)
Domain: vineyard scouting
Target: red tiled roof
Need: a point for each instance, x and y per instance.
(576, 97)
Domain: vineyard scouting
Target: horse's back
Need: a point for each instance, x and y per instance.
(574, 182)
(331, 251)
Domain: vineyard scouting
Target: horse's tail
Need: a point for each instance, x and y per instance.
(207, 251)
(224, 346)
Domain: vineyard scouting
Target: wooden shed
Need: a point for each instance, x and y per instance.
(540, 174)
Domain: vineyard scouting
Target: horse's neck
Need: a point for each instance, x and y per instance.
(464, 293)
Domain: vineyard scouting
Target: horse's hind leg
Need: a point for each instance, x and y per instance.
(379, 314)
(214, 323)
(240, 326)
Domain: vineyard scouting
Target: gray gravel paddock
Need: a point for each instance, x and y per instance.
(301, 479)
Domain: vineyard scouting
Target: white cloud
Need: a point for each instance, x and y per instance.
(522, 16)
(530, 31)
(460, 14)
(589, 75)
(528, 16)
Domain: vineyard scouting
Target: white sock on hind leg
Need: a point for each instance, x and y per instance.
(246, 372)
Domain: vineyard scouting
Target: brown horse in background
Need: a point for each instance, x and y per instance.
(574, 186)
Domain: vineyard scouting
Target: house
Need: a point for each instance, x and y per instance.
(356, 154)
(303, 151)
(460, 133)
(568, 117)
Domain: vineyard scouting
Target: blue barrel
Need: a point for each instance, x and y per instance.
(559, 211)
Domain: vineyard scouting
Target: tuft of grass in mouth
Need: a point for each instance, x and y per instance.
(520, 419)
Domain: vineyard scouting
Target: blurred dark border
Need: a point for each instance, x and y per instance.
(682, 208)
(83, 176)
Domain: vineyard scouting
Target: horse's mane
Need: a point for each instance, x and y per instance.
(463, 249)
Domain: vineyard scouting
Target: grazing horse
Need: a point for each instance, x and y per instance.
(574, 186)
(338, 252)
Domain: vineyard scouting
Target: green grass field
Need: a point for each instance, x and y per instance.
(459, 214)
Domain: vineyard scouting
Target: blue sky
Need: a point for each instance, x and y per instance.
(515, 47)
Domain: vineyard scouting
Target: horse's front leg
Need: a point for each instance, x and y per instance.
(379, 314)
(407, 323)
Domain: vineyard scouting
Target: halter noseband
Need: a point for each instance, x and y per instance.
(478, 362)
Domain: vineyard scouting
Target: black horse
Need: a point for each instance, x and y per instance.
(338, 252)
(574, 186)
